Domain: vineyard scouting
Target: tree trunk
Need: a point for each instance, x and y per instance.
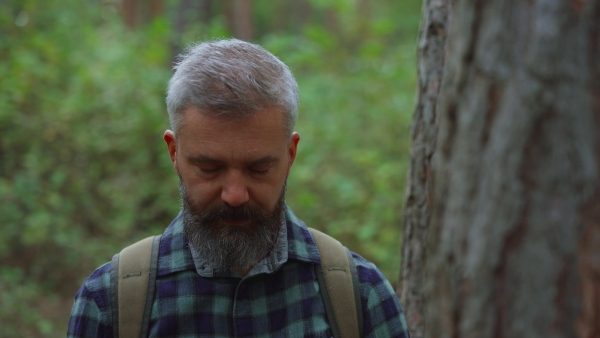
(513, 246)
(135, 12)
(156, 9)
(243, 27)
(432, 41)
(184, 7)
(130, 12)
(206, 11)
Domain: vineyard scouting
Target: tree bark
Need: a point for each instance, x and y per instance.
(135, 12)
(184, 7)
(513, 246)
(432, 41)
(130, 12)
(243, 27)
(206, 11)
(156, 9)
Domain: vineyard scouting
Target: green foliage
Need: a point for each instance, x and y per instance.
(81, 121)
(354, 122)
(84, 171)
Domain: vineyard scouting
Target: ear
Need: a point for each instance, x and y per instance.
(171, 142)
(293, 148)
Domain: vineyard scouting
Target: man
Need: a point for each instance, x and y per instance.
(236, 261)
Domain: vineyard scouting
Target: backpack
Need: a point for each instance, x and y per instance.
(133, 276)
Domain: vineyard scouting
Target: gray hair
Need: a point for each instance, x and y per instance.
(231, 78)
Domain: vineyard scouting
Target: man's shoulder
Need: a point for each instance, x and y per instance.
(90, 315)
(381, 307)
(368, 272)
(99, 280)
(301, 245)
(171, 243)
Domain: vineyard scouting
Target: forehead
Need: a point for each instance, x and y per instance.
(262, 132)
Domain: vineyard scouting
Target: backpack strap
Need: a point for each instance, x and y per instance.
(133, 279)
(340, 289)
(132, 283)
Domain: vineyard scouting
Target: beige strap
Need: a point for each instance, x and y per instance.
(134, 270)
(339, 284)
(135, 284)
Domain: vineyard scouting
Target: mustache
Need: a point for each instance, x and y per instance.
(226, 212)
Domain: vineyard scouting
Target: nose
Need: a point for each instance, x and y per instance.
(234, 191)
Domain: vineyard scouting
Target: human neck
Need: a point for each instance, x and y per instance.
(242, 272)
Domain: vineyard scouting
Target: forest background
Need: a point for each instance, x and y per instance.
(84, 170)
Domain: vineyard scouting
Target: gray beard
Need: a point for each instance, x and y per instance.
(225, 246)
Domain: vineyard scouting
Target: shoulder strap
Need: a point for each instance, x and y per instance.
(133, 276)
(132, 282)
(339, 286)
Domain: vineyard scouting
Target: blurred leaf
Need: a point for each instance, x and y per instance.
(83, 168)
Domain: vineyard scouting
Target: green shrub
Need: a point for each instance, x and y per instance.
(83, 167)
(84, 171)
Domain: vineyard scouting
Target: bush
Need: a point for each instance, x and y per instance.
(84, 171)
(83, 167)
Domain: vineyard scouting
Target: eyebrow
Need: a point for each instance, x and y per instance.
(203, 159)
(265, 160)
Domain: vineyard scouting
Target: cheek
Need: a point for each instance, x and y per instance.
(268, 196)
(185, 170)
(199, 194)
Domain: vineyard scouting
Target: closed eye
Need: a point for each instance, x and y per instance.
(260, 171)
(209, 170)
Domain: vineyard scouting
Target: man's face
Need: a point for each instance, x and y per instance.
(232, 171)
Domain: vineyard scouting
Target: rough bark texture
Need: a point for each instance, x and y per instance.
(156, 8)
(514, 236)
(243, 27)
(432, 40)
(130, 10)
(206, 10)
(136, 12)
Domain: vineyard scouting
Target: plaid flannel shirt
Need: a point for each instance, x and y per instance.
(279, 297)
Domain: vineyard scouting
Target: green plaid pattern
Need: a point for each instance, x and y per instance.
(279, 298)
